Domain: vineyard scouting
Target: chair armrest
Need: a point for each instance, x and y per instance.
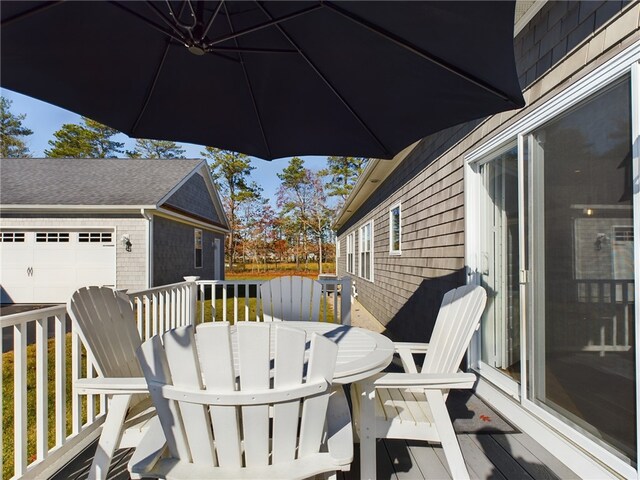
(412, 346)
(406, 351)
(149, 450)
(339, 428)
(111, 385)
(435, 381)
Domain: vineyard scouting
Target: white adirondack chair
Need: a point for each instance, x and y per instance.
(258, 419)
(291, 298)
(104, 320)
(411, 405)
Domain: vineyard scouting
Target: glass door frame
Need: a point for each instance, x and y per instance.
(625, 63)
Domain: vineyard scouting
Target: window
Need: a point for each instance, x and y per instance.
(197, 236)
(55, 237)
(350, 252)
(94, 237)
(395, 230)
(366, 250)
(12, 237)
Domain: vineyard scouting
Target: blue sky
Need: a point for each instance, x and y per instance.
(44, 119)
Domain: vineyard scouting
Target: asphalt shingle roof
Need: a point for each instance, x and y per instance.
(50, 181)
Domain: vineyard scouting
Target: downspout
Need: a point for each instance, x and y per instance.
(149, 233)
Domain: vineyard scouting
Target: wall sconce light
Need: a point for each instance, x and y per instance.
(126, 242)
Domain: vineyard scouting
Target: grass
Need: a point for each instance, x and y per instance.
(262, 272)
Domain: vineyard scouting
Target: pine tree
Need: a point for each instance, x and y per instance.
(146, 148)
(11, 129)
(88, 140)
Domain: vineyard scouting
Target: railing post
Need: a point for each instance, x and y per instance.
(345, 301)
(193, 298)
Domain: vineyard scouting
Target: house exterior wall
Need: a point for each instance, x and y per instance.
(174, 256)
(556, 48)
(130, 266)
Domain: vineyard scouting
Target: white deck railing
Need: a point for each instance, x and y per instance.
(235, 301)
(49, 422)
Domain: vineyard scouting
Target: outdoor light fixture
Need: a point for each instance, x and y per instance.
(126, 242)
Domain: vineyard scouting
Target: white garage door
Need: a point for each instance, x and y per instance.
(47, 266)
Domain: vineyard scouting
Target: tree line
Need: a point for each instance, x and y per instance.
(297, 230)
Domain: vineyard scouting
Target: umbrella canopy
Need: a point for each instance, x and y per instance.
(269, 79)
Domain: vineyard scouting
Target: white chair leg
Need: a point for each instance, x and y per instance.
(110, 437)
(367, 432)
(450, 444)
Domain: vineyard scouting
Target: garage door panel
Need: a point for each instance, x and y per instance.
(48, 266)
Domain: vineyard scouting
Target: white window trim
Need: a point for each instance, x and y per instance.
(351, 242)
(624, 63)
(360, 251)
(391, 209)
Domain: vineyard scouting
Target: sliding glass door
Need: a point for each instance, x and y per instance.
(581, 340)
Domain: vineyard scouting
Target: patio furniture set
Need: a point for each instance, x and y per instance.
(267, 399)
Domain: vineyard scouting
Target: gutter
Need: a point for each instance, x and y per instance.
(374, 175)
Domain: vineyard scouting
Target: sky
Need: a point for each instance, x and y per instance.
(44, 119)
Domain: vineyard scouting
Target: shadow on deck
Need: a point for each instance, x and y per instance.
(493, 450)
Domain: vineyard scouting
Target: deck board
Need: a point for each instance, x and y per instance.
(490, 454)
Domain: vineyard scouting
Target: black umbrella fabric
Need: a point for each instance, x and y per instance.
(269, 79)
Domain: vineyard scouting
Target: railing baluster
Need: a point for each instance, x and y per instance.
(138, 305)
(172, 308)
(147, 318)
(235, 303)
(154, 303)
(20, 398)
(201, 301)
(60, 380)
(224, 303)
(246, 301)
(76, 368)
(91, 399)
(42, 385)
(214, 300)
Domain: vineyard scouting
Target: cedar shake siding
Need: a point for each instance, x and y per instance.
(407, 289)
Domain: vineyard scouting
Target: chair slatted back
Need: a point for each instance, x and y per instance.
(104, 320)
(218, 415)
(291, 298)
(458, 318)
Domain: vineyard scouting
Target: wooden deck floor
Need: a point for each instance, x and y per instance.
(496, 453)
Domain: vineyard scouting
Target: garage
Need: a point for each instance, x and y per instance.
(48, 265)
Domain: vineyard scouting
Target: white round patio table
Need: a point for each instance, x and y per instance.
(361, 352)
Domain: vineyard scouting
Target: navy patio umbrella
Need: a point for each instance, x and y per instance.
(269, 79)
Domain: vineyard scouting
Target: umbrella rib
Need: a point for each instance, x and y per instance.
(261, 26)
(30, 12)
(211, 20)
(421, 53)
(251, 50)
(148, 22)
(327, 82)
(246, 77)
(151, 89)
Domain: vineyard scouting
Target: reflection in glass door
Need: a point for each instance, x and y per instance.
(499, 264)
(581, 351)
